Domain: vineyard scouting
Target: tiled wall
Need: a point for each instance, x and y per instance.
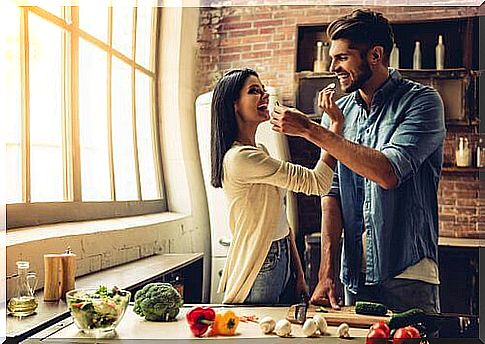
(264, 38)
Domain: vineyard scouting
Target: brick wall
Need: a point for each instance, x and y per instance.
(264, 38)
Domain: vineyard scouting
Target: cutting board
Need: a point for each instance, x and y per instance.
(336, 317)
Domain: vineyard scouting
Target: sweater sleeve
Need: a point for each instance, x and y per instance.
(247, 164)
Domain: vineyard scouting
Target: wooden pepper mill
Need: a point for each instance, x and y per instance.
(59, 275)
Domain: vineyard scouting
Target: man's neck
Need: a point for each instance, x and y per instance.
(377, 79)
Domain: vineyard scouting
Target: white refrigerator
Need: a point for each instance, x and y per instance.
(277, 145)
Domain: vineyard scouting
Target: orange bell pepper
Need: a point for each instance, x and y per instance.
(225, 323)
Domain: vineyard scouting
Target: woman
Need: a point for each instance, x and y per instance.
(257, 269)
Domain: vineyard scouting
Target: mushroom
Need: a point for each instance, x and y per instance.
(267, 324)
(283, 328)
(310, 328)
(321, 323)
(343, 330)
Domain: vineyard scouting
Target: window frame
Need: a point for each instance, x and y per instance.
(30, 213)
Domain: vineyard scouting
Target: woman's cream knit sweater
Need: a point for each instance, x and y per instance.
(254, 185)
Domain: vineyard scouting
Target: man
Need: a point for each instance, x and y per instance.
(385, 188)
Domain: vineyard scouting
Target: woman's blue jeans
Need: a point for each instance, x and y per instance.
(274, 275)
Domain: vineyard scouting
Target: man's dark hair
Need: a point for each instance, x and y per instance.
(364, 29)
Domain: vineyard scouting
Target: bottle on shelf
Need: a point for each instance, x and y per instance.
(480, 153)
(440, 53)
(417, 56)
(462, 152)
(322, 61)
(394, 58)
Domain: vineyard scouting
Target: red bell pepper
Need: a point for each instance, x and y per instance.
(199, 319)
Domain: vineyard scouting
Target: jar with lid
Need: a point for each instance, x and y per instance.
(463, 152)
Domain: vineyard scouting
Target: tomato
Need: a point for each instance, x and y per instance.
(382, 325)
(405, 336)
(376, 336)
(414, 331)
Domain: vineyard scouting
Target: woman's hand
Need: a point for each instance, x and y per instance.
(326, 101)
(302, 288)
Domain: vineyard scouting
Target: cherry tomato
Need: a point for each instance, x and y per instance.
(414, 331)
(376, 336)
(382, 325)
(405, 336)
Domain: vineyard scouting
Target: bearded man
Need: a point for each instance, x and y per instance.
(384, 196)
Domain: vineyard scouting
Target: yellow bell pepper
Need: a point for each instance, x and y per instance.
(226, 323)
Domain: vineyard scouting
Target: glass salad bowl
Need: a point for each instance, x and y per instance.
(97, 310)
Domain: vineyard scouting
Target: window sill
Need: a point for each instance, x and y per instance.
(42, 232)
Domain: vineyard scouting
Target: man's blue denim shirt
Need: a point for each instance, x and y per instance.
(406, 123)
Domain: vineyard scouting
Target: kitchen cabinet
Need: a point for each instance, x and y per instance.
(130, 276)
(461, 39)
(459, 89)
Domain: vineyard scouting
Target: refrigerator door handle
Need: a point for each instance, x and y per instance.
(225, 242)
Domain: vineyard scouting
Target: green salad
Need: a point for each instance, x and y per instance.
(97, 308)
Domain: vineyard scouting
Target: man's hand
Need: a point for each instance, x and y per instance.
(290, 121)
(324, 294)
(326, 101)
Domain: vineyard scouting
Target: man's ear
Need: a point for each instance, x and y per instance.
(376, 54)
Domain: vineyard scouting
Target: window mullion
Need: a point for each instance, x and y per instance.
(110, 112)
(25, 143)
(76, 182)
(133, 105)
(156, 132)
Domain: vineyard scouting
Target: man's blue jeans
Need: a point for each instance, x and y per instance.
(398, 294)
(274, 275)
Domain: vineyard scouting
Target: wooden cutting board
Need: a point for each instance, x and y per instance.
(336, 317)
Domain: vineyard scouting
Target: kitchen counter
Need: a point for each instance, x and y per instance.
(126, 276)
(132, 327)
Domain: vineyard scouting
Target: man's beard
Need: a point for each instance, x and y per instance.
(364, 74)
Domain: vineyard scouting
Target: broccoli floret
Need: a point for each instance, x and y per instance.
(158, 302)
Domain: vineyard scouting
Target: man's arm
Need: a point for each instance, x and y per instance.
(367, 162)
(330, 240)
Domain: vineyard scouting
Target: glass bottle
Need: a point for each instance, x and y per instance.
(463, 152)
(23, 303)
(417, 56)
(318, 64)
(394, 58)
(480, 153)
(440, 53)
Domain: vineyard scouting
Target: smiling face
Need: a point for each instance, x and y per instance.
(252, 105)
(351, 68)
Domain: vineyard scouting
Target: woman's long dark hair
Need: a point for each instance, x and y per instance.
(223, 122)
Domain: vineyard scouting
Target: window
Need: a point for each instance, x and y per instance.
(82, 136)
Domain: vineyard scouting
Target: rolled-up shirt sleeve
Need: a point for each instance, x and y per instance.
(334, 188)
(420, 133)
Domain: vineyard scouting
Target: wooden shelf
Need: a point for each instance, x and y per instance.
(455, 169)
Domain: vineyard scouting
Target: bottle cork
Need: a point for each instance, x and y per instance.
(68, 261)
(52, 275)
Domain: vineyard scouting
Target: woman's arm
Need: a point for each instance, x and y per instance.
(301, 286)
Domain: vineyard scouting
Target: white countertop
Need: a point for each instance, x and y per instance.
(133, 327)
